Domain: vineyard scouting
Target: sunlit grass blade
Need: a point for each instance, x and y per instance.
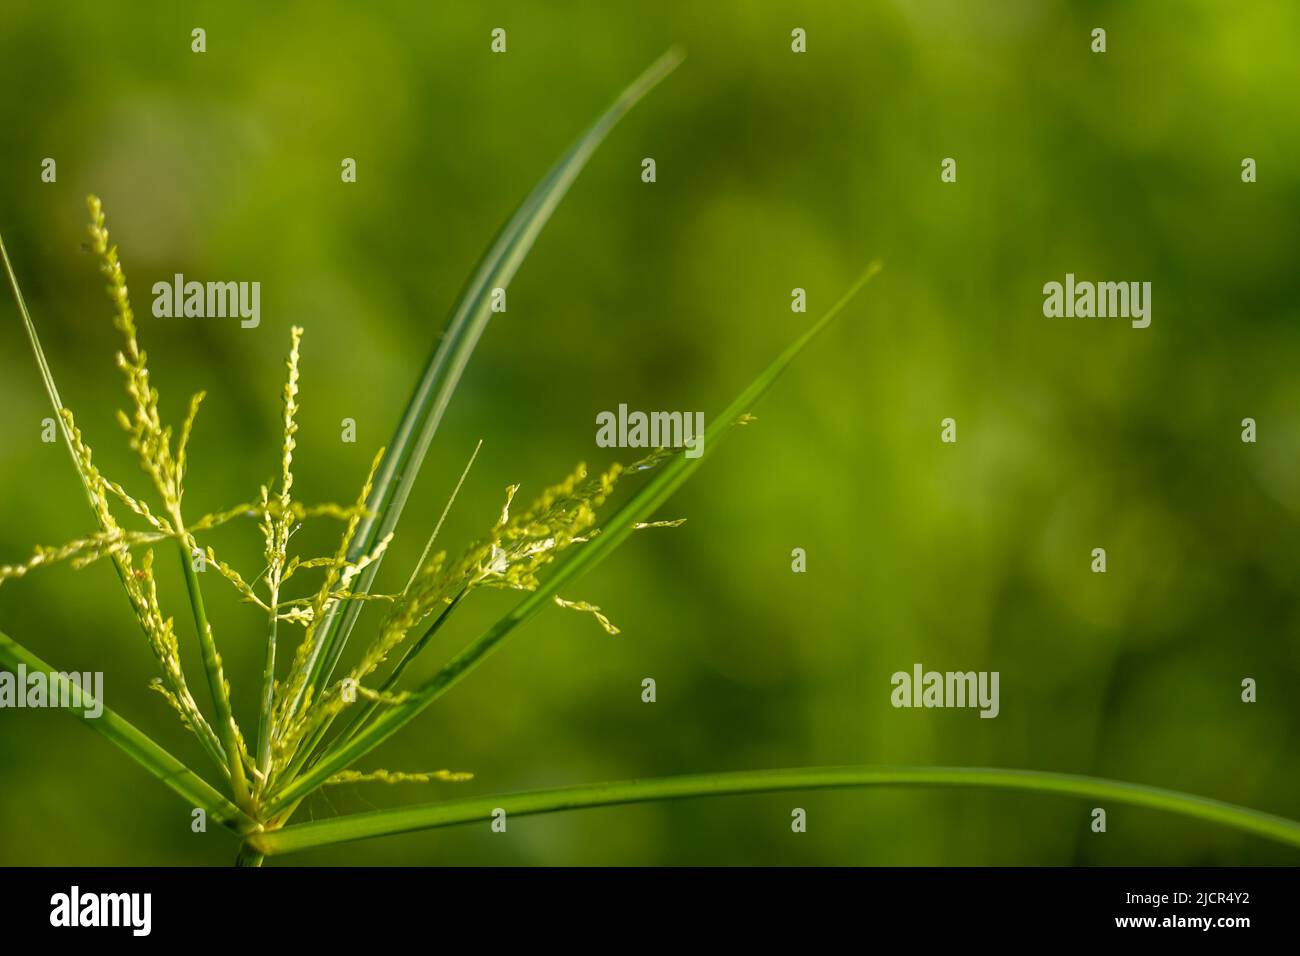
(613, 532)
(47, 377)
(139, 746)
(406, 451)
(322, 833)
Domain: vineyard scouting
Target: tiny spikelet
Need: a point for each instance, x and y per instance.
(300, 611)
(296, 615)
(234, 577)
(244, 754)
(277, 522)
(511, 491)
(653, 460)
(139, 507)
(590, 609)
(218, 518)
(95, 482)
(380, 697)
(111, 267)
(182, 445)
(157, 685)
(297, 564)
(331, 510)
(352, 568)
(290, 411)
(394, 776)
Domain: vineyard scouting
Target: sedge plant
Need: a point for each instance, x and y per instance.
(316, 720)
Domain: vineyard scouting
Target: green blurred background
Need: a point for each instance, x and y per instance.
(775, 170)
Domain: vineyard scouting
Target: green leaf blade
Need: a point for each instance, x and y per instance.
(47, 377)
(139, 746)
(428, 403)
(324, 833)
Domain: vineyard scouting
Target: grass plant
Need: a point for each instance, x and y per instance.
(317, 719)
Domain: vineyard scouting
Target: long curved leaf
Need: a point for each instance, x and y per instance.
(405, 453)
(307, 836)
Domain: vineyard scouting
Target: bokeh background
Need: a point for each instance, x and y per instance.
(775, 170)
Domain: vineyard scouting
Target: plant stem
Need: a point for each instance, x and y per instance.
(268, 693)
(248, 856)
(455, 493)
(407, 819)
(216, 677)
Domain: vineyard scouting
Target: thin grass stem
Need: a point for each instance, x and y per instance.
(267, 706)
(216, 681)
(248, 856)
(428, 545)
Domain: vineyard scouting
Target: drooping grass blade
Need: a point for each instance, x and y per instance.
(307, 836)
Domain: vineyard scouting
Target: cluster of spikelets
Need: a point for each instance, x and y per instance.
(295, 714)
